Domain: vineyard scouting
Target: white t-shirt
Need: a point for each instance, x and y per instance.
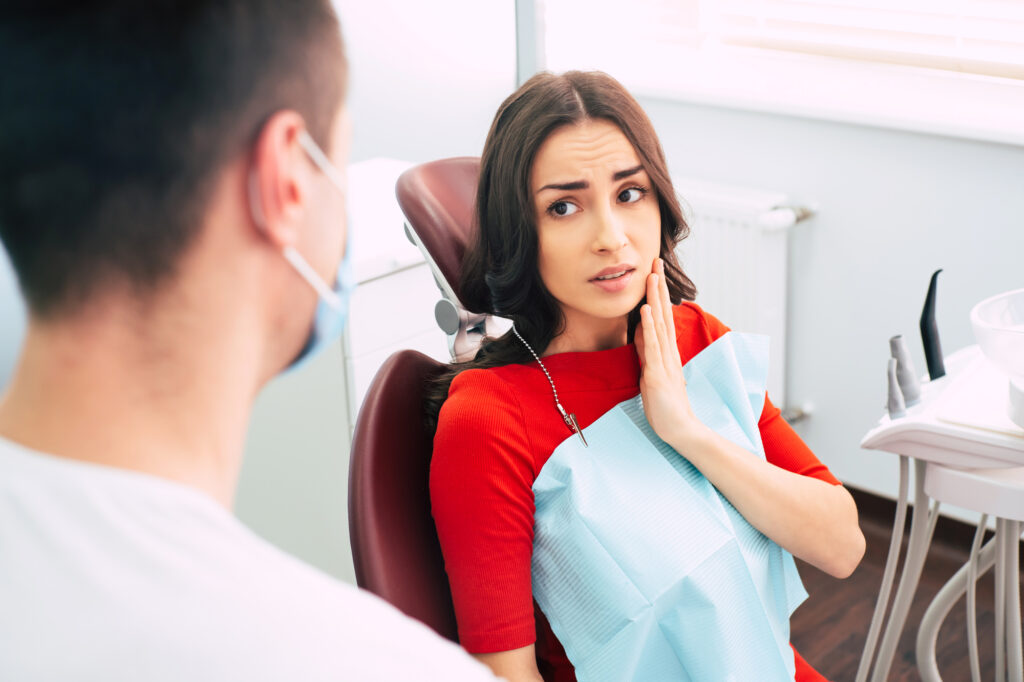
(111, 575)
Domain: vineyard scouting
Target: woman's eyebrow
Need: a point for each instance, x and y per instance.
(583, 184)
(567, 186)
(622, 174)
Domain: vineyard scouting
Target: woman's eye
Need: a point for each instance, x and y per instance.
(632, 195)
(562, 209)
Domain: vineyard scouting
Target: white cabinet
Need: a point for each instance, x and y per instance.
(390, 313)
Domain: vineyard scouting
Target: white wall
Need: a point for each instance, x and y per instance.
(894, 207)
(427, 77)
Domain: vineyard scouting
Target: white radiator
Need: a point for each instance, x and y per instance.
(737, 255)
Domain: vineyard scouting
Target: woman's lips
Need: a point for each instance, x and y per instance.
(615, 283)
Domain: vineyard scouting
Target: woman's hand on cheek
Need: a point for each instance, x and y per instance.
(662, 384)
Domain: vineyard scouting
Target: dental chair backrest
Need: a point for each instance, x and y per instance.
(438, 200)
(394, 543)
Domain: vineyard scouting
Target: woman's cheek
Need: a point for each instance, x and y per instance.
(551, 257)
(652, 237)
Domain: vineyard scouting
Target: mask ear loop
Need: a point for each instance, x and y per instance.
(311, 276)
(290, 254)
(321, 160)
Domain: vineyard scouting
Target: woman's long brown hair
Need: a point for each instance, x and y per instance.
(500, 274)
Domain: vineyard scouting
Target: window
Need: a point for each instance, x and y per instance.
(981, 36)
(944, 66)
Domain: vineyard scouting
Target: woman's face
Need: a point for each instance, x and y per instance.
(598, 223)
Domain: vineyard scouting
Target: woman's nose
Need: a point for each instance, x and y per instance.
(609, 230)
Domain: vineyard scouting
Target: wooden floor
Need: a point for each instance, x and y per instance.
(830, 628)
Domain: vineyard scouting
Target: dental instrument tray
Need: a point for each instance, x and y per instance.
(960, 420)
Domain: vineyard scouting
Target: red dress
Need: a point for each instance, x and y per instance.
(496, 430)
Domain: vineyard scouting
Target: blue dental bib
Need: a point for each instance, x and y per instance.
(643, 569)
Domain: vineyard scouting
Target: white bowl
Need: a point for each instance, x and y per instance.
(998, 324)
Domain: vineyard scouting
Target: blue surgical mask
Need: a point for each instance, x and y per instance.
(331, 309)
(333, 304)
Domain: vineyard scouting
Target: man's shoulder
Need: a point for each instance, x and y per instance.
(334, 627)
(123, 571)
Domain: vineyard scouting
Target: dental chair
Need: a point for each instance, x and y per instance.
(394, 543)
(437, 199)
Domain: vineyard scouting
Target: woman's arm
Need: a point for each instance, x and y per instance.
(481, 492)
(812, 519)
(517, 665)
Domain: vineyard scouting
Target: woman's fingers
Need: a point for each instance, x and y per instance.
(662, 383)
(652, 360)
(652, 290)
(654, 300)
(666, 300)
(657, 292)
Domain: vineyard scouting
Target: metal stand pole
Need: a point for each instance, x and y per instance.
(921, 529)
(1014, 664)
(882, 604)
(972, 609)
(939, 609)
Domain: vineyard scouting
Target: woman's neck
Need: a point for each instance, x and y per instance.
(588, 335)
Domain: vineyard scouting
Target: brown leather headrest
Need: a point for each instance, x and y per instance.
(438, 199)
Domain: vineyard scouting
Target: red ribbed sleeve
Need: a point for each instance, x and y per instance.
(481, 490)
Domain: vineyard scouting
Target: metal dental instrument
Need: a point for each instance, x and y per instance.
(569, 417)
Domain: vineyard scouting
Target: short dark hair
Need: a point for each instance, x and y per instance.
(116, 116)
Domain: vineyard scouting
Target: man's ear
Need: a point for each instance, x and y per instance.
(279, 179)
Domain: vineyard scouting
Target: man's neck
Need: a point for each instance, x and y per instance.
(121, 390)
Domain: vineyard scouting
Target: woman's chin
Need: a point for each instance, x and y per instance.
(613, 310)
(603, 306)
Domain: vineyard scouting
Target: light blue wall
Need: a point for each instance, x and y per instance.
(893, 207)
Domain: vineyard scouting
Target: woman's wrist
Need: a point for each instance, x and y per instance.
(691, 438)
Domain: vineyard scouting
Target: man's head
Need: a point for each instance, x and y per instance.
(119, 118)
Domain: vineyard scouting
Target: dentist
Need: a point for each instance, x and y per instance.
(172, 204)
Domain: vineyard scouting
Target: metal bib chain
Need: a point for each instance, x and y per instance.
(568, 417)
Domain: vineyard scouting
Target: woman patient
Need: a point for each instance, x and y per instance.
(578, 222)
